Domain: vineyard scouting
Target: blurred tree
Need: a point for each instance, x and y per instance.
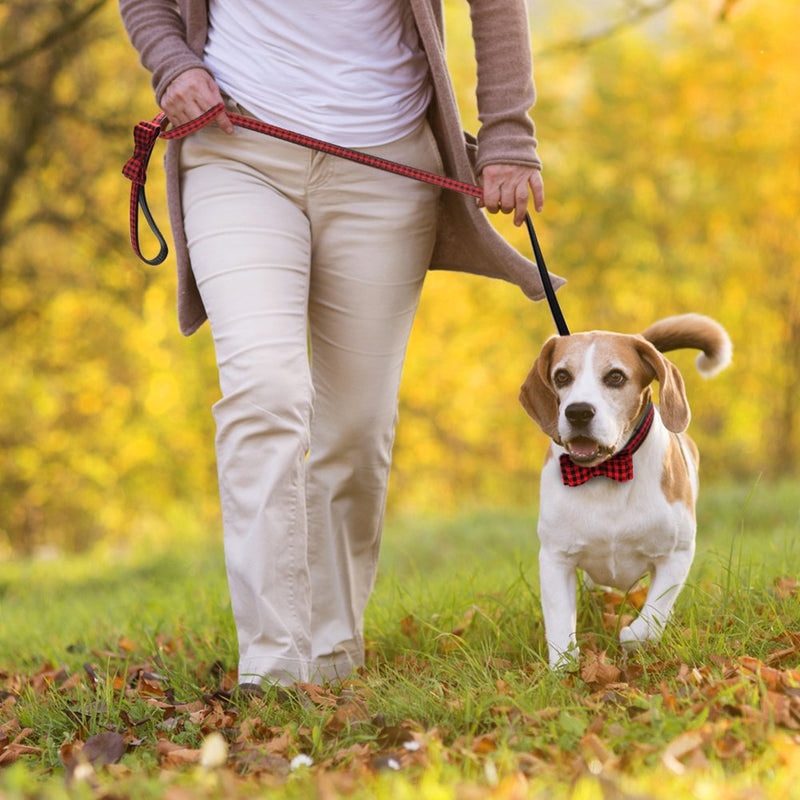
(673, 179)
(88, 443)
(671, 168)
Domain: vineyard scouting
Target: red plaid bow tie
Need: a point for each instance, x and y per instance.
(619, 467)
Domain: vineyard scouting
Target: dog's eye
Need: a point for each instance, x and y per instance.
(615, 378)
(561, 377)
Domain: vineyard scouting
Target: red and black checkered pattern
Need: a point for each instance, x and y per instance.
(619, 467)
(355, 155)
(146, 134)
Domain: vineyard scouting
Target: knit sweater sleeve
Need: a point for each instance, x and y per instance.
(158, 33)
(505, 90)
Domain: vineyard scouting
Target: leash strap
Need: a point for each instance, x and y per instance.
(145, 135)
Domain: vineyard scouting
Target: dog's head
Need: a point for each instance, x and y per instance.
(587, 391)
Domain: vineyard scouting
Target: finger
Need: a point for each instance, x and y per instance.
(537, 188)
(491, 196)
(224, 123)
(189, 95)
(510, 193)
(521, 203)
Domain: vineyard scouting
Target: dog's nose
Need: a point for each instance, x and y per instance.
(579, 413)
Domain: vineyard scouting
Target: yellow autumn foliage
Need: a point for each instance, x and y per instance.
(672, 169)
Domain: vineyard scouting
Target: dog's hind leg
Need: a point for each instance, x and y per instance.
(665, 586)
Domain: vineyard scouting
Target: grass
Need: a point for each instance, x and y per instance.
(456, 700)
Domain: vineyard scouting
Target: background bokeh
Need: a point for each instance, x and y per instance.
(671, 143)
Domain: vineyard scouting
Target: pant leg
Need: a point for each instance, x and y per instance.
(248, 205)
(373, 234)
(249, 242)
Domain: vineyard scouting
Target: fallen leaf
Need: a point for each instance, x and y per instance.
(347, 714)
(487, 743)
(319, 695)
(104, 748)
(408, 625)
(174, 755)
(596, 671)
(594, 749)
(126, 645)
(679, 748)
(785, 588)
(14, 751)
(255, 761)
(729, 747)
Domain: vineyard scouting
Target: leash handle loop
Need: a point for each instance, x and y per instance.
(145, 135)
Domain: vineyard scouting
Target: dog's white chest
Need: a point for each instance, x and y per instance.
(615, 532)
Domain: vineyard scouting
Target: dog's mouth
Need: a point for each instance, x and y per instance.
(583, 450)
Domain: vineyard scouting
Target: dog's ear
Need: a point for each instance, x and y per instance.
(537, 395)
(673, 403)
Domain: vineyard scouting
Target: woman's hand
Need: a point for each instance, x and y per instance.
(189, 95)
(508, 187)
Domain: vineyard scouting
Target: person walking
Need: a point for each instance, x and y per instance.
(309, 269)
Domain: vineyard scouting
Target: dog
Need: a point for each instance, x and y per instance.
(619, 484)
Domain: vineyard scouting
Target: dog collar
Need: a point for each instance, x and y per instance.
(619, 467)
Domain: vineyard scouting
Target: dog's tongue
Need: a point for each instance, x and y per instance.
(582, 448)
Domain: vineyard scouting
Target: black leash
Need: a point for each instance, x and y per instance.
(145, 135)
(549, 291)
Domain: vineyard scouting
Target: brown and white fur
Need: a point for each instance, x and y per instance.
(588, 392)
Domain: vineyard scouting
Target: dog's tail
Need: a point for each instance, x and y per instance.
(697, 332)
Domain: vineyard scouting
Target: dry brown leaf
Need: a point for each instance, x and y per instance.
(615, 622)
(777, 709)
(319, 695)
(175, 755)
(786, 588)
(729, 747)
(103, 749)
(680, 748)
(512, 787)
(408, 625)
(390, 736)
(10, 753)
(594, 749)
(486, 743)
(596, 671)
(351, 712)
(126, 645)
(782, 655)
(256, 761)
(281, 744)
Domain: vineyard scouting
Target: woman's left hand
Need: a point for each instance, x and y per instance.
(508, 188)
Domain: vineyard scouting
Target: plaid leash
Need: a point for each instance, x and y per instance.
(619, 467)
(146, 134)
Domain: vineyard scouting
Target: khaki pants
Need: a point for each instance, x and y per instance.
(297, 252)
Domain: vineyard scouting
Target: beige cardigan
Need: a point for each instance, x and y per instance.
(170, 36)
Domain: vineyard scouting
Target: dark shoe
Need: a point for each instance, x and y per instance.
(248, 691)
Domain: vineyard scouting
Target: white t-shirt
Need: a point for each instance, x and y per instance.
(351, 72)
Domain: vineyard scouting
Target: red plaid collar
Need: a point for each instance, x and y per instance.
(619, 467)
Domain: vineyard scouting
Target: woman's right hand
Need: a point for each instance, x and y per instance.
(189, 95)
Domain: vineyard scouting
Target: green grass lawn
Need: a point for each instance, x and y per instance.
(130, 651)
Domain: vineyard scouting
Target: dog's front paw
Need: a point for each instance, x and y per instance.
(639, 632)
(564, 660)
(629, 639)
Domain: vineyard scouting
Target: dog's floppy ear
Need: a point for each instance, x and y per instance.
(673, 404)
(537, 395)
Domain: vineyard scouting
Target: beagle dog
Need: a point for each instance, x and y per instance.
(619, 484)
